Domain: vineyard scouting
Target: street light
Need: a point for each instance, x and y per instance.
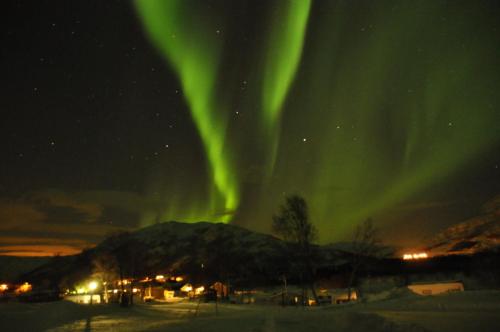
(92, 287)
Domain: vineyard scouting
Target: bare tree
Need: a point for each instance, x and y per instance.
(130, 256)
(105, 269)
(115, 245)
(365, 246)
(293, 225)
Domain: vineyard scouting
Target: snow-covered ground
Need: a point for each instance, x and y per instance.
(468, 311)
(462, 311)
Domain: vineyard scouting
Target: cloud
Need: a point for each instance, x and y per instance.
(54, 206)
(24, 240)
(69, 203)
(14, 213)
(39, 246)
(54, 221)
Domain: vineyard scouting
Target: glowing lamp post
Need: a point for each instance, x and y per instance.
(92, 288)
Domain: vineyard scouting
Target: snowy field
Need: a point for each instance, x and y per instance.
(468, 311)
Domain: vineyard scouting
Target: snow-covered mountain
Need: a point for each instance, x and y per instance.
(474, 235)
(204, 250)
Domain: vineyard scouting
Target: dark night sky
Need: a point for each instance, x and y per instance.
(118, 114)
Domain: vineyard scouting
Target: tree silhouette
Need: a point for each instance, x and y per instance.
(105, 269)
(130, 256)
(365, 246)
(293, 226)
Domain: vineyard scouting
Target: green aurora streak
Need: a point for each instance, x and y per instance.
(284, 51)
(194, 54)
(398, 104)
(395, 100)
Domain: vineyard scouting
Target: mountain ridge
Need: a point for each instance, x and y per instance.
(476, 234)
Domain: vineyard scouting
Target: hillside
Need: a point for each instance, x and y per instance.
(206, 252)
(477, 234)
(11, 267)
(203, 250)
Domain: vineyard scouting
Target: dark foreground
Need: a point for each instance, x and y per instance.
(468, 311)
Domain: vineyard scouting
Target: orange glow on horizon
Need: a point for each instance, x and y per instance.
(39, 250)
(413, 256)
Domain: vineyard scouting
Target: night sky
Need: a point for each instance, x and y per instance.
(120, 114)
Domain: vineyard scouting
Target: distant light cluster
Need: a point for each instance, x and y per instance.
(421, 255)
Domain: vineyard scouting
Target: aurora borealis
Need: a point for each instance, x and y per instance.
(195, 58)
(426, 82)
(215, 110)
(195, 55)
